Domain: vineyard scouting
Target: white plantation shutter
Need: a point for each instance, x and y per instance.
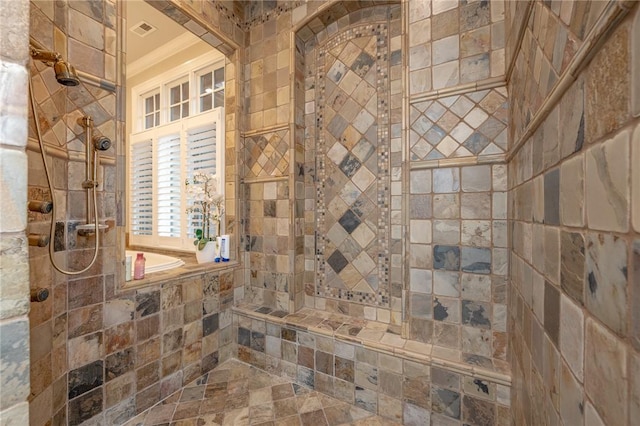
(158, 198)
(169, 186)
(201, 150)
(141, 187)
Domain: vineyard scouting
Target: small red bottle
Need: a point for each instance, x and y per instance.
(138, 269)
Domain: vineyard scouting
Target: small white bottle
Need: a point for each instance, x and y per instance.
(218, 243)
(127, 268)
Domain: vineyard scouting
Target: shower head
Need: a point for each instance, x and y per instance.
(65, 73)
(101, 143)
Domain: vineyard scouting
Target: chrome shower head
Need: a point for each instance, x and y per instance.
(66, 73)
(101, 143)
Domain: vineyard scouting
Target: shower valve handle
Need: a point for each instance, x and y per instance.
(89, 184)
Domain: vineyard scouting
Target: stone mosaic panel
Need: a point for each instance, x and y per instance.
(469, 125)
(353, 166)
(267, 154)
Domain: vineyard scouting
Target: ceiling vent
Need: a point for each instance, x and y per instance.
(143, 28)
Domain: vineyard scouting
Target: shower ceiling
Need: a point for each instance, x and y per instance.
(168, 30)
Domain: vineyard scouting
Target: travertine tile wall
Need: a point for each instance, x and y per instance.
(454, 42)
(575, 245)
(457, 230)
(470, 124)
(459, 259)
(65, 343)
(96, 355)
(14, 262)
(267, 237)
(553, 35)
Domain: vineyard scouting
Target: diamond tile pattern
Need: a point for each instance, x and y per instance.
(267, 154)
(354, 145)
(239, 394)
(467, 125)
(60, 110)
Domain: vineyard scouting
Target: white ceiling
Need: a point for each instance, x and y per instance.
(167, 30)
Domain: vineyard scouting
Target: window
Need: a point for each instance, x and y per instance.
(161, 160)
(178, 100)
(151, 110)
(211, 88)
(180, 131)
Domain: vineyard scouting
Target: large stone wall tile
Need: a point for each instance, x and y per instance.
(606, 284)
(14, 362)
(607, 86)
(606, 373)
(14, 267)
(607, 184)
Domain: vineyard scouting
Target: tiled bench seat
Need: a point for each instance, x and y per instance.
(361, 362)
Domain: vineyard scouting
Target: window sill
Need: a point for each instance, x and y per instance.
(190, 268)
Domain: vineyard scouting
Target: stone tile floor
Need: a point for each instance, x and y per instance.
(235, 393)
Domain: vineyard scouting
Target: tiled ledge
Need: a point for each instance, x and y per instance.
(374, 335)
(191, 267)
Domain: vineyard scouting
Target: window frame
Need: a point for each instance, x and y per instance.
(189, 71)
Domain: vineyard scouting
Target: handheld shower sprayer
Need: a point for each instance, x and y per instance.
(101, 143)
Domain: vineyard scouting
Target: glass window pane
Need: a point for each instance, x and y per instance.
(218, 76)
(157, 103)
(157, 119)
(219, 101)
(148, 121)
(205, 103)
(148, 105)
(185, 109)
(185, 91)
(175, 95)
(205, 82)
(175, 113)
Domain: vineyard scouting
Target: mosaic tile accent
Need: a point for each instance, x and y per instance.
(267, 154)
(467, 125)
(353, 166)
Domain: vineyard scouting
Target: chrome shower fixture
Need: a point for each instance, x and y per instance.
(65, 73)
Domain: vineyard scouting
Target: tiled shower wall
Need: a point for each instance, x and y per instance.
(99, 353)
(457, 257)
(66, 329)
(575, 241)
(14, 266)
(349, 77)
(453, 46)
